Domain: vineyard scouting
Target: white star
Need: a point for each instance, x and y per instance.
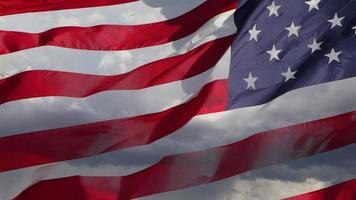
(333, 56)
(315, 46)
(273, 9)
(274, 53)
(254, 33)
(313, 4)
(293, 30)
(289, 74)
(336, 21)
(354, 28)
(251, 81)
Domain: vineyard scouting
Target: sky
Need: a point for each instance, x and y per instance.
(270, 182)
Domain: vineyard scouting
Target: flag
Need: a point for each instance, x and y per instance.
(84, 79)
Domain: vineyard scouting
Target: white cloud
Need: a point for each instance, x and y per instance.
(266, 189)
(116, 63)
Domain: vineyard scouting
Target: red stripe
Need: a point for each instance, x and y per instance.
(53, 83)
(117, 37)
(41, 147)
(342, 191)
(190, 169)
(23, 6)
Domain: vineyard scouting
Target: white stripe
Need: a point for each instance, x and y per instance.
(112, 62)
(139, 12)
(56, 112)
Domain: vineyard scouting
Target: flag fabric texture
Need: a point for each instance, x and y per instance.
(82, 79)
(346, 190)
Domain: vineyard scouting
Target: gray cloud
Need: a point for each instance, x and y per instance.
(277, 181)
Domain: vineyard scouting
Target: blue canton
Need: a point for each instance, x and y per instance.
(283, 45)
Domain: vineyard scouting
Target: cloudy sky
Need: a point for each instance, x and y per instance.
(267, 183)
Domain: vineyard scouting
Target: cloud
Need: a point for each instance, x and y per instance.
(266, 189)
(116, 63)
(276, 181)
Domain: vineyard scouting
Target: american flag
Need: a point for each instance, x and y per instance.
(225, 86)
